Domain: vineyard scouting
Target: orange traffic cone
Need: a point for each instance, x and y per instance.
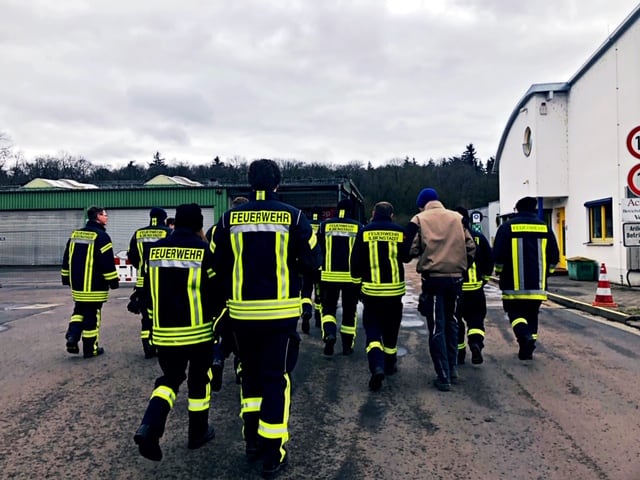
(603, 292)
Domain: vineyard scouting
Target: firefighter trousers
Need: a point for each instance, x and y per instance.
(381, 319)
(331, 292)
(472, 310)
(190, 362)
(268, 356)
(85, 323)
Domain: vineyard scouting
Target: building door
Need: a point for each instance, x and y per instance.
(559, 232)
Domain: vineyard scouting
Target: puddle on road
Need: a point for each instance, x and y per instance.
(31, 306)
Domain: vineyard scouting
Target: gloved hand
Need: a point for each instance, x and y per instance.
(307, 312)
(114, 284)
(65, 281)
(134, 304)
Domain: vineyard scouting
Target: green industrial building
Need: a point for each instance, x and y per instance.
(37, 219)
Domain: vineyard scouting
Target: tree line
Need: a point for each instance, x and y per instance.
(459, 180)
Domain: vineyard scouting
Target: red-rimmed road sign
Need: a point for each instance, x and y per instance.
(633, 142)
(633, 179)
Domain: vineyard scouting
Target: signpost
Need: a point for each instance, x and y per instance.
(631, 234)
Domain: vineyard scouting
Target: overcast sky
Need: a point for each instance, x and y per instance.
(311, 80)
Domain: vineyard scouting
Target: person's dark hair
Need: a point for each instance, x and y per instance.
(170, 221)
(238, 201)
(92, 212)
(264, 174)
(383, 210)
(527, 204)
(189, 216)
(158, 213)
(465, 215)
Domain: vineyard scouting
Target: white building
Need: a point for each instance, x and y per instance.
(576, 147)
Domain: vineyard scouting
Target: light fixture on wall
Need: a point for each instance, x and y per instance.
(543, 108)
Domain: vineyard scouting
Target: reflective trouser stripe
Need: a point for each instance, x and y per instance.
(165, 393)
(200, 404)
(390, 351)
(462, 346)
(476, 331)
(518, 321)
(373, 345)
(326, 319)
(348, 330)
(248, 405)
(534, 336)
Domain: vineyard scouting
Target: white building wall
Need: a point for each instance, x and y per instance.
(603, 109)
(517, 172)
(595, 114)
(550, 135)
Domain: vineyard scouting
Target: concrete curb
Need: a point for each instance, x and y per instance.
(587, 307)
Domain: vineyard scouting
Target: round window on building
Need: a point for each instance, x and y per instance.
(526, 143)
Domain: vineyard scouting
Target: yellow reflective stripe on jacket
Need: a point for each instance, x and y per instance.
(96, 296)
(326, 276)
(524, 295)
(383, 289)
(176, 336)
(110, 275)
(106, 248)
(474, 283)
(264, 309)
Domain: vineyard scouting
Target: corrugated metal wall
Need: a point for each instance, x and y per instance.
(37, 237)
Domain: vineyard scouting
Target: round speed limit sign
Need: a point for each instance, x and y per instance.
(633, 179)
(633, 142)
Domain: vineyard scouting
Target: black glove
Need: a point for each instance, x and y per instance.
(134, 304)
(307, 311)
(65, 281)
(114, 284)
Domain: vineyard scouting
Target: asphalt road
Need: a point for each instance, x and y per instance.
(572, 412)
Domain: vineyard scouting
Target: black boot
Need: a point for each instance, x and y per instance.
(90, 348)
(390, 364)
(148, 443)
(200, 432)
(72, 343)
(347, 343)
(149, 350)
(252, 440)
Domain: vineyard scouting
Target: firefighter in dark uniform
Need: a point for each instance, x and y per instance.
(337, 236)
(261, 250)
(377, 257)
(178, 290)
(311, 288)
(472, 302)
(525, 252)
(141, 241)
(88, 266)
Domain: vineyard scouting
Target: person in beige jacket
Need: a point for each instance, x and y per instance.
(444, 249)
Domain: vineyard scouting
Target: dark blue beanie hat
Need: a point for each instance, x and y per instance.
(158, 213)
(425, 196)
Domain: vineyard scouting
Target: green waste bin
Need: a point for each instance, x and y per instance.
(582, 269)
